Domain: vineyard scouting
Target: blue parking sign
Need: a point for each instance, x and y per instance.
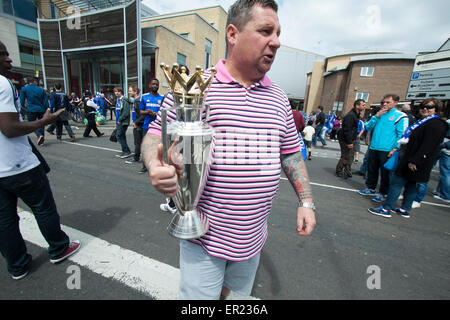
(415, 75)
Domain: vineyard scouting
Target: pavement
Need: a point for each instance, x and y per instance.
(127, 253)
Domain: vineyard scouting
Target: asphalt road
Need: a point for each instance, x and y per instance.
(351, 254)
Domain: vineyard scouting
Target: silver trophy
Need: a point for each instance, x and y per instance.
(187, 145)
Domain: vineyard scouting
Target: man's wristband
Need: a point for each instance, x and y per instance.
(307, 205)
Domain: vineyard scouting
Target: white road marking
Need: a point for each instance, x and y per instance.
(354, 190)
(156, 279)
(89, 146)
(153, 278)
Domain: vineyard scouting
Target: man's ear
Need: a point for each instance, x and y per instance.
(232, 33)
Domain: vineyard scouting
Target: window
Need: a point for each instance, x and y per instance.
(6, 7)
(52, 10)
(337, 106)
(24, 9)
(362, 95)
(208, 45)
(185, 35)
(181, 59)
(367, 71)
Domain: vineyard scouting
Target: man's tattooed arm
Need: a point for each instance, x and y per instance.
(295, 170)
(149, 148)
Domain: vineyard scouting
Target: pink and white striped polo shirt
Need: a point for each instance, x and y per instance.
(252, 127)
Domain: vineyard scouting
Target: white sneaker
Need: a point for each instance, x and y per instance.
(438, 197)
(166, 208)
(415, 204)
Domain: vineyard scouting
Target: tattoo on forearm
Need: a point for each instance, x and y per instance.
(149, 148)
(295, 170)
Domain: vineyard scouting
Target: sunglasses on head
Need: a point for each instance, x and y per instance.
(428, 106)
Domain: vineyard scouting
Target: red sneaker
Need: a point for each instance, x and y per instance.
(73, 247)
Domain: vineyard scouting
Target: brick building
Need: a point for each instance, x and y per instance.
(367, 76)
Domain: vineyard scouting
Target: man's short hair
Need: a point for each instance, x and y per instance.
(118, 89)
(58, 86)
(320, 108)
(240, 12)
(358, 102)
(393, 96)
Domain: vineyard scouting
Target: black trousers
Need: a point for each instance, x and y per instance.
(375, 167)
(91, 126)
(138, 135)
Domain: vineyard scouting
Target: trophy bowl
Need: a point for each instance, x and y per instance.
(187, 144)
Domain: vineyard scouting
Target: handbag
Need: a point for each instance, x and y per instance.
(392, 163)
(113, 137)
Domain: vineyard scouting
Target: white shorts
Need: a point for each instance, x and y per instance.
(202, 275)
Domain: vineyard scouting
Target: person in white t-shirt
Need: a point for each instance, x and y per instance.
(308, 134)
(22, 176)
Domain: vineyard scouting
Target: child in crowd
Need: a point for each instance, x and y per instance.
(308, 133)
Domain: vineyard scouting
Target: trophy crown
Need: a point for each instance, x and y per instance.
(193, 85)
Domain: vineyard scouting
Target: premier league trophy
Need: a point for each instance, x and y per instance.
(187, 145)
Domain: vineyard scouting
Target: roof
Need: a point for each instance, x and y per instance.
(336, 69)
(365, 52)
(401, 56)
(94, 5)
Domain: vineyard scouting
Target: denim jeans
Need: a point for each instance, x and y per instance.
(443, 187)
(122, 138)
(59, 124)
(34, 189)
(422, 188)
(363, 168)
(32, 116)
(318, 134)
(395, 188)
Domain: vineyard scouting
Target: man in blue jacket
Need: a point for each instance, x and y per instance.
(387, 126)
(37, 103)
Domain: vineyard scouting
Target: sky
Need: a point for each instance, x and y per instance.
(330, 27)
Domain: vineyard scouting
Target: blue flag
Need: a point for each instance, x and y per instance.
(302, 147)
(330, 122)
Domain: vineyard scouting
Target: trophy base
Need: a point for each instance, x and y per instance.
(190, 225)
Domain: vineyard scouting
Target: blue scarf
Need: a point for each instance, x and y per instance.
(405, 138)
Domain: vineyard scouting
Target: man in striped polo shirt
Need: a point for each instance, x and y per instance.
(255, 136)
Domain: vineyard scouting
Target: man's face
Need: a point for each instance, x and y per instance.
(5, 61)
(117, 93)
(360, 107)
(389, 103)
(257, 42)
(131, 92)
(154, 86)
